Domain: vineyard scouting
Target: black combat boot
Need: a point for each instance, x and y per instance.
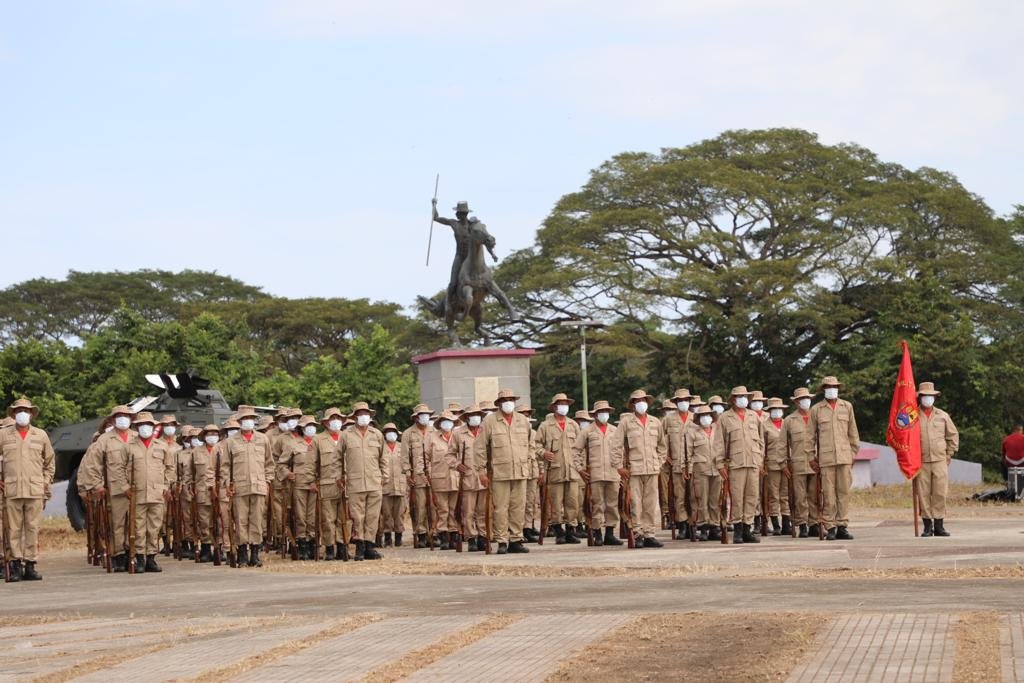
(927, 528)
(843, 534)
(518, 547)
(830, 535)
(803, 531)
(16, 570)
(379, 541)
(398, 539)
(204, 553)
(787, 525)
(329, 552)
(812, 531)
(748, 535)
(254, 555)
(471, 544)
(166, 549)
(341, 551)
(652, 542)
(530, 534)
(423, 541)
(140, 563)
(444, 538)
(570, 535)
(481, 543)
(243, 555)
(705, 530)
(776, 527)
(387, 539)
(151, 565)
(610, 538)
(714, 532)
(596, 535)
(502, 548)
(558, 532)
(30, 573)
(581, 530)
(360, 551)
(119, 563)
(940, 529)
(682, 531)
(737, 534)
(371, 553)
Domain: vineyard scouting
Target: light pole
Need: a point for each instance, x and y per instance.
(583, 325)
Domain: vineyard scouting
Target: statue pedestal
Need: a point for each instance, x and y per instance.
(469, 376)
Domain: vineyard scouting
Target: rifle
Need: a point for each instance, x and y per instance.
(627, 511)
(194, 507)
(670, 516)
(588, 506)
(178, 527)
(318, 515)
(429, 499)
(764, 503)
(130, 552)
(693, 512)
(90, 524)
(218, 518)
(232, 521)
(544, 504)
(488, 512)
(821, 507)
(6, 530)
(107, 529)
(725, 502)
(792, 504)
(458, 516)
(268, 537)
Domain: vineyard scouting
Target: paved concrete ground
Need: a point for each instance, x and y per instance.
(202, 615)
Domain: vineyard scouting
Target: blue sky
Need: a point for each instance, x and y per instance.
(294, 144)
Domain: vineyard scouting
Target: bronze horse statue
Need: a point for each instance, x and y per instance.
(475, 281)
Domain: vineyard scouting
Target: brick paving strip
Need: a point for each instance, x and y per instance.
(352, 655)
(528, 650)
(1011, 647)
(882, 647)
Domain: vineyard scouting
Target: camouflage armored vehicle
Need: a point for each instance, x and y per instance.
(184, 395)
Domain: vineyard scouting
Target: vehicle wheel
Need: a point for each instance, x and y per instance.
(76, 511)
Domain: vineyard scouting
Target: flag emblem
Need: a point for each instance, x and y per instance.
(906, 416)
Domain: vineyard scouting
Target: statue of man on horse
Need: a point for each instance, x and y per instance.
(471, 278)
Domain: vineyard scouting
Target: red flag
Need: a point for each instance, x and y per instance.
(904, 433)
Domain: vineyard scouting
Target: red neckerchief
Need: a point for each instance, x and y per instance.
(560, 421)
(447, 437)
(707, 430)
(391, 446)
(740, 413)
(23, 434)
(683, 417)
(777, 423)
(643, 419)
(928, 412)
(603, 428)
(509, 418)
(209, 449)
(335, 437)
(805, 416)
(123, 435)
(832, 404)
(760, 413)
(474, 431)
(247, 436)
(308, 440)
(146, 442)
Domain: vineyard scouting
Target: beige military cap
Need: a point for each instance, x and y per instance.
(641, 395)
(775, 402)
(801, 392)
(739, 391)
(361, 406)
(506, 395)
(21, 404)
(601, 406)
(831, 381)
(420, 409)
(927, 389)
(143, 418)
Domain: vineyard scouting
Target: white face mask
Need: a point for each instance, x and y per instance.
(640, 407)
(122, 422)
(309, 430)
(927, 401)
(145, 431)
(293, 422)
(508, 406)
(391, 437)
(211, 439)
(170, 430)
(832, 393)
(248, 424)
(283, 426)
(775, 413)
(562, 409)
(741, 401)
(362, 420)
(22, 418)
(334, 425)
(756, 405)
(196, 443)
(705, 420)
(718, 408)
(682, 406)
(585, 425)
(232, 432)
(602, 418)
(473, 420)
(446, 425)
(804, 403)
(423, 419)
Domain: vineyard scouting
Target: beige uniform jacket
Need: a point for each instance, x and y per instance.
(506, 446)
(200, 472)
(247, 464)
(464, 440)
(441, 461)
(90, 470)
(643, 447)
(797, 435)
(278, 443)
(833, 435)
(676, 427)
(28, 462)
(298, 456)
(114, 451)
(738, 442)
(362, 452)
(550, 436)
(397, 466)
(939, 437)
(414, 445)
(775, 451)
(700, 457)
(175, 450)
(326, 449)
(153, 467)
(593, 452)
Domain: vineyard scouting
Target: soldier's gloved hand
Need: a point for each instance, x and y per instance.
(585, 475)
(341, 486)
(167, 496)
(46, 490)
(686, 475)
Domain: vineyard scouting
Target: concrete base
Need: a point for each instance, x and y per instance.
(469, 376)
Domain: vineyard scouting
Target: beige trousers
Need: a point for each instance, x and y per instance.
(932, 488)
(331, 532)
(118, 524)
(805, 496)
(250, 515)
(149, 519)
(604, 504)
(835, 482)
(679, 492)
(24, 515)
(778, 493)
(563, 501)
(392, 512)
(745, 485)
(645, 515)
(304, 509)
(365, 510)
(419, 509)
(531, 513)
(444, 510)
(474, 511)
(509, 500)
(277, 521)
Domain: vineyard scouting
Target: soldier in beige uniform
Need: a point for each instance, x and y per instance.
(700, 465)
(641, 444)
(776, 455)
(365, 466)
(677, 423)
(796, 436)
(247, 465)
(394, 492)
(414, 442)
(503, 453)
(553, 444)
(592, 458)
(444, 479)
(182, 488)
(113, 452)
(739, 456)
(201, 473)
(585, 422)
(285, 433)
(531, 511)
(474, 498)
(297, 465)
(832, 444)
(28, 467)
(329, 463)
(150, 470)
(168, 438)
(939, 443)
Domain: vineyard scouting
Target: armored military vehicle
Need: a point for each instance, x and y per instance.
(184, 395)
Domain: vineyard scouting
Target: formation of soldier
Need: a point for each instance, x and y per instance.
(469, 477)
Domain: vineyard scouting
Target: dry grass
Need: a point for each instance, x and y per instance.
(99, 663)
(56, 535)
(424, 657)
(898, 496)
(242, 666)
(33, 619)
(697, 647)
(1015, 571)
(977, 647)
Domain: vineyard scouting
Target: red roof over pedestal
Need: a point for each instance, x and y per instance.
(472, 353)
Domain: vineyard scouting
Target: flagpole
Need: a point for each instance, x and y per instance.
(917, 507)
